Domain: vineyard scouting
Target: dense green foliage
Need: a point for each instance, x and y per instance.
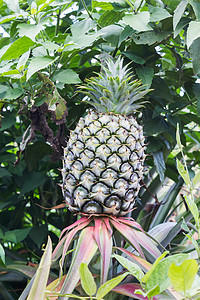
(46, 49)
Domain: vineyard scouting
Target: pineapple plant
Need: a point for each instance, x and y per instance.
(104, 158)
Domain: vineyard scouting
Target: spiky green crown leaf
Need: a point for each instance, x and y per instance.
(114, 89)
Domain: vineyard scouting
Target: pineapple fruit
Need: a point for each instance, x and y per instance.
(104, 158)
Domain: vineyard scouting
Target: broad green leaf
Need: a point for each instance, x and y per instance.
(30, 30)
(67, 76)
(8, 121)
(13, 5)
(4, 172)
(38, 63)
(109, 285)
(192, 207)
(102, 4)
(160, 164)
(182, 23)
(196, 178)
(82, 27)
(193, 32)
(16, 235)
(148, 274)
(179, 12)
(13, 94)
(150, 37)
(39, 285)
(137, 59)
(22, 61)
(159, 274)
(146, 74)
(183, 172)
(196, 7)
(110, 17)
(50, 46)
(33, 180)
(87, 280)
(8, 18)
(17, 48)
(134, 269)
(194, 51)
(182, 276)
(2, 254)
(158, 13)
(139, 22)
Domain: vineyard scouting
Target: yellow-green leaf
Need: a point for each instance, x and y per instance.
(87, 280)
(182, 276)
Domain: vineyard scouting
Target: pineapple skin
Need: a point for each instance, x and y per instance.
(103, 164)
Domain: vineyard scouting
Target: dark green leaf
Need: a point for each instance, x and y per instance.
(34, 180)
(13, 94)
(160, 164)
(110, 17)
(38, 234)
(8, 120)
(196, 6)
(4, 172)
(16, 235)
(150, 37)
(137, 59)
(146, 74)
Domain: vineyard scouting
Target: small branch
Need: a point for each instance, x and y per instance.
(58, 21)
(85, 6)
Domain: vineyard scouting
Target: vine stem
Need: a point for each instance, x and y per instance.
(85, 6)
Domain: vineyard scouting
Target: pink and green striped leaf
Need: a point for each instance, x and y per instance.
(145, 265)
(129, 289)
(64, 243)
(105, 243)
(129, 234)
(85, 251)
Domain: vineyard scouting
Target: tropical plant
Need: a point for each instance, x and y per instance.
(46, 49)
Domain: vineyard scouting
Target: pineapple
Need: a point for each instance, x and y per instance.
(104, 158)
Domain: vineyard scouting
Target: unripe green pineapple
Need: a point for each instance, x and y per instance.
(104, 157)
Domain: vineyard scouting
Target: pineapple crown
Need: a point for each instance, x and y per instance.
(114, 90)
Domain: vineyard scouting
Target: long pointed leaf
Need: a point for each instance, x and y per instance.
(104, 241)
(145, 265)
(133, 268)
(85, 250)
(109, 285)
(129, 289)
(129, 235)
(64, 243)
(69, 238)
(39, 285)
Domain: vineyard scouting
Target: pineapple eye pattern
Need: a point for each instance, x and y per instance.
(105, 153)
(103, 166)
